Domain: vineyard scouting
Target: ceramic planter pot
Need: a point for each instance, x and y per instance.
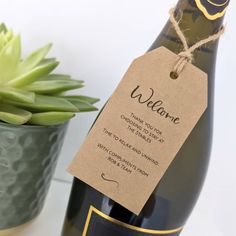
(28, 157)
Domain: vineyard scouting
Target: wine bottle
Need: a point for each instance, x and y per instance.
(91, 213)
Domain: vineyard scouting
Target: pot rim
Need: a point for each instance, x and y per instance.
(33, 127)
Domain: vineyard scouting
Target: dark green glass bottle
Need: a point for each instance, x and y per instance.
(90, 213)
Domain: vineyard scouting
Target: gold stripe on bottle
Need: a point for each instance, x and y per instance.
(206, 13)
(124, 225)
(217, 4)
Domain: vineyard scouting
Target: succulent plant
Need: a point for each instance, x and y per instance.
(29, 92)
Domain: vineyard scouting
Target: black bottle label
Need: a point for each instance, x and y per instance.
(212, 9)
(99, 224)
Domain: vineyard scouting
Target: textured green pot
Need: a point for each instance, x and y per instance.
(28, 157)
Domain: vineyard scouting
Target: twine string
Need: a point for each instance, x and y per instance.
(186, 56)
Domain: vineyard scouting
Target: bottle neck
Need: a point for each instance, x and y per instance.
(195, 26)
(194, 23)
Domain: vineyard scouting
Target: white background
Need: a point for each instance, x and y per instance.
(95, 40)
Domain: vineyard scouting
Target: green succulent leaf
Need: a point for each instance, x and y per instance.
(55, 77)
(53, 86)
(3, 28)
(58, 77)
(16, 94)
(34, 59)
(83, 98)
(14, 115)
(29, 77)
(5, 38)
(9, 58)
(27, 86)
(82, 105)
(9, 35)
(47, 103)
(50, 118)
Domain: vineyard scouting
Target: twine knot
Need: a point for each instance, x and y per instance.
(186, 56)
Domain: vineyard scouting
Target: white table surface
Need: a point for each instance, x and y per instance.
(201, 223)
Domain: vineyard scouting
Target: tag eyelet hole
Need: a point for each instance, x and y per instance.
(174, 75)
